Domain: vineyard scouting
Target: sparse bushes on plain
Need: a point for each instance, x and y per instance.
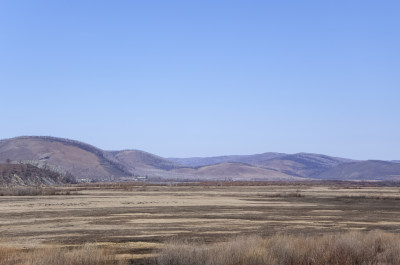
(86, 255)
(369, 197)
(284, 195)
(33, 191)
(353, 248)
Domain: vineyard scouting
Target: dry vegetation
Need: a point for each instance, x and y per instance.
(297, 223)
(85, 255)
(353, 248)
(35, 191)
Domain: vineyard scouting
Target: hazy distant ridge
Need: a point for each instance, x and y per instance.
(208, 161)
(301, 164)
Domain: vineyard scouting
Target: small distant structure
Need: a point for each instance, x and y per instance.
(133, 178)
(84, 180)
(141, 178)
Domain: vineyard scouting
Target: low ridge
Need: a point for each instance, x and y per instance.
(28, 175)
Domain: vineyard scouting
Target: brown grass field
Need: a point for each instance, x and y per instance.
(132, 222)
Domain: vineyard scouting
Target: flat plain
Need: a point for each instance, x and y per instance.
(135, 220)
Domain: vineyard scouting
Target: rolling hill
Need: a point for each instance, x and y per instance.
(234, 171)
(301, 165)
(142, 163)
(79, 159)
(363, 170)
(82, 160)
(208, 161)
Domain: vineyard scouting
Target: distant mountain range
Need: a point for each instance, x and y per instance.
(300, 165)
(87, 162)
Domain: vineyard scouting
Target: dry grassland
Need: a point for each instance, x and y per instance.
(134, 221)
(351, 248)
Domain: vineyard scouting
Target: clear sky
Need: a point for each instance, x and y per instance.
(202, 78)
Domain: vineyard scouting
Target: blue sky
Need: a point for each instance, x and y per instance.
(202, 78)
